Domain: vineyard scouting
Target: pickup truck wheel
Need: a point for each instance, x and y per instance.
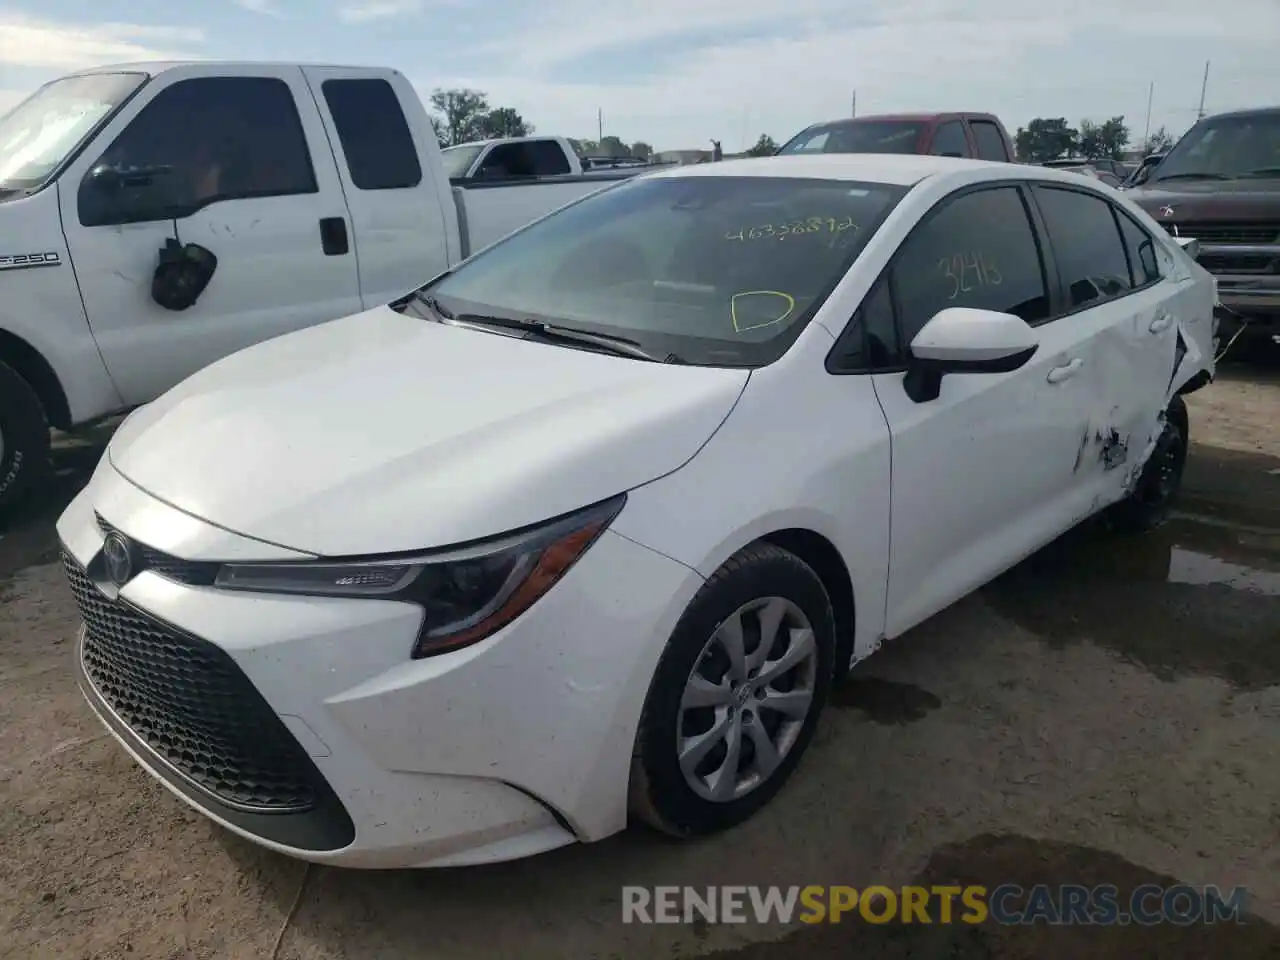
(736, 696)
(24, 440)
(1153, 495)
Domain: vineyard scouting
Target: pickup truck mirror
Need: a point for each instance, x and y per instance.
(114, 193)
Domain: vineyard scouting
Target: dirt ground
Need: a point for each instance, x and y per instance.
(1108, 712)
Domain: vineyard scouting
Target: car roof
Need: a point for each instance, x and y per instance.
(891, 168)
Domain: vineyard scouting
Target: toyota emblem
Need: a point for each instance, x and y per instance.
(1166, 211)
(118, 558)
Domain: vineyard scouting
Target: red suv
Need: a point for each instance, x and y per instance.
(978, 135)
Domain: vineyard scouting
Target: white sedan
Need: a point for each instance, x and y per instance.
(583, 531)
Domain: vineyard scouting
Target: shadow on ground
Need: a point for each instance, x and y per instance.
(991, 861)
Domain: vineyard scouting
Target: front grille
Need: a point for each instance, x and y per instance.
(1249, 263)
(1243, 233)
(190, 703)
(194, 572)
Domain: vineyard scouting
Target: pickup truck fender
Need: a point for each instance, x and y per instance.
(44, 332)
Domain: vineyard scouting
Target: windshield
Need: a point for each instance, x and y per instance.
(458, 160)
(43, 130)
(857, 136)
(720, 271)
(1225, 147)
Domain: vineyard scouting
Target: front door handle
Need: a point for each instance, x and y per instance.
(333, 236)
(1066, 371)
(1160, 324)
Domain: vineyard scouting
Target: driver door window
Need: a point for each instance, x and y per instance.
(247, 142)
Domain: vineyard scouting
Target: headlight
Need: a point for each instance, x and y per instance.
(466, 593)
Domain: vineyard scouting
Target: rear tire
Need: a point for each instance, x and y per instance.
(720, 734)
(24, 441)
(1153, 496)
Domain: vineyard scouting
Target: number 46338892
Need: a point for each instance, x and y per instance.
(967, 270)
(780, 231)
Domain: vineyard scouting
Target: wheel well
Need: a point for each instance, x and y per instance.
(33, 368)
(820, 554)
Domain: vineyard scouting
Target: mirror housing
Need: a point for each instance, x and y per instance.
(966, 340)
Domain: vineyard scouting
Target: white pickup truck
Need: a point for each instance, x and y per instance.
(157, 217)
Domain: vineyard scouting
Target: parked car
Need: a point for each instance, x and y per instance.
(159, 217)
(585, 528)
(1088, 170)
(1221, 184)
(1113, 168)
(1143, 170)
(979, 135)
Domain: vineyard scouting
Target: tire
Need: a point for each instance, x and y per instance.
(1153, 496)
(24, 441)
(759, 584)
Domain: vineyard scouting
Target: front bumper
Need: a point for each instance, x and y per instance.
(516, 745)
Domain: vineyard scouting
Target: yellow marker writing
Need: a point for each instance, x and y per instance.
(783, 306)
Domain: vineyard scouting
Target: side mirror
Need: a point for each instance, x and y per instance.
(1190, 246)
(966, 340)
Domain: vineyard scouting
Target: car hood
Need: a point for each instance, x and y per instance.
(382, 432)
(1219, 200)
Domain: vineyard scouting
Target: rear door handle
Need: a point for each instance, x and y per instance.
(1066, 371)
(333, 236)
(1160, 324)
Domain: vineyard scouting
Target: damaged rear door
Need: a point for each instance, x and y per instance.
(1113, 286)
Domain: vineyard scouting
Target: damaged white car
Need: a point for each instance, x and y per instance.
(583, 530)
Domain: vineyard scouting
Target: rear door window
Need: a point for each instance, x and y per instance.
(1086, 245)
(949, 140)
(374, 134)
(990, 141)
(1144, 268)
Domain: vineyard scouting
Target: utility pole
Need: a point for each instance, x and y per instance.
(853, 105)
(599, 125)
(1203, 87)
(1146, 133)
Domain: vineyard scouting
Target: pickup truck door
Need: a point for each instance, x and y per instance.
(235, 160)
(401, 207)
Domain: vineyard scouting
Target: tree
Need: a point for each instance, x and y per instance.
(461, 112)
(764, 147)
(1045, 139)
(641, 150)
(1113, 137)
(1158, 142)
(1089, 140)
(585, 148)
(503, 122)
(611, 146)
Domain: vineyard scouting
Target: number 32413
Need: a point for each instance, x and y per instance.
(965, 271)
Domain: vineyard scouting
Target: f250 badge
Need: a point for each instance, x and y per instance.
(25, 261)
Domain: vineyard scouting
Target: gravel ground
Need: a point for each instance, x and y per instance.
(1105, 713)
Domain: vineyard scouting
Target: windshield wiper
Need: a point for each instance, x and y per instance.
(1190, 176)
(541, 330)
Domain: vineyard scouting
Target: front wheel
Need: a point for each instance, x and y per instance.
(24, 440)
(736, 696)
(1148, 505)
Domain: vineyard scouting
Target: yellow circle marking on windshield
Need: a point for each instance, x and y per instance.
(785, 307)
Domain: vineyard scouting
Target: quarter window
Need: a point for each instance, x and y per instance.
(374, 134)
(977, 250)
(1086, 245)
(249, 142)
(1143, 266)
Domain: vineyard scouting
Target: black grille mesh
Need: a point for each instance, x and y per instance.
(194, 572)
(192, 705)
(1256, 233)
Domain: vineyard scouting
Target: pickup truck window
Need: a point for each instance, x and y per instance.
(721, 271)
(857, 136)
(1225, 148)
(42, 131)
(990, 141)
(374, 134)
(458, 160)
(950, 141)
(249, 143)
(524, 158)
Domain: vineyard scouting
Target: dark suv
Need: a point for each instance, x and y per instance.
(1221, 185)
(978, 135)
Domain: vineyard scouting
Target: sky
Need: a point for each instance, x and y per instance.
(676, 73)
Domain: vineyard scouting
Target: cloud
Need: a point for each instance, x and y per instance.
(53, 45)
(378, 10)
(266, 8)
(678, 72)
